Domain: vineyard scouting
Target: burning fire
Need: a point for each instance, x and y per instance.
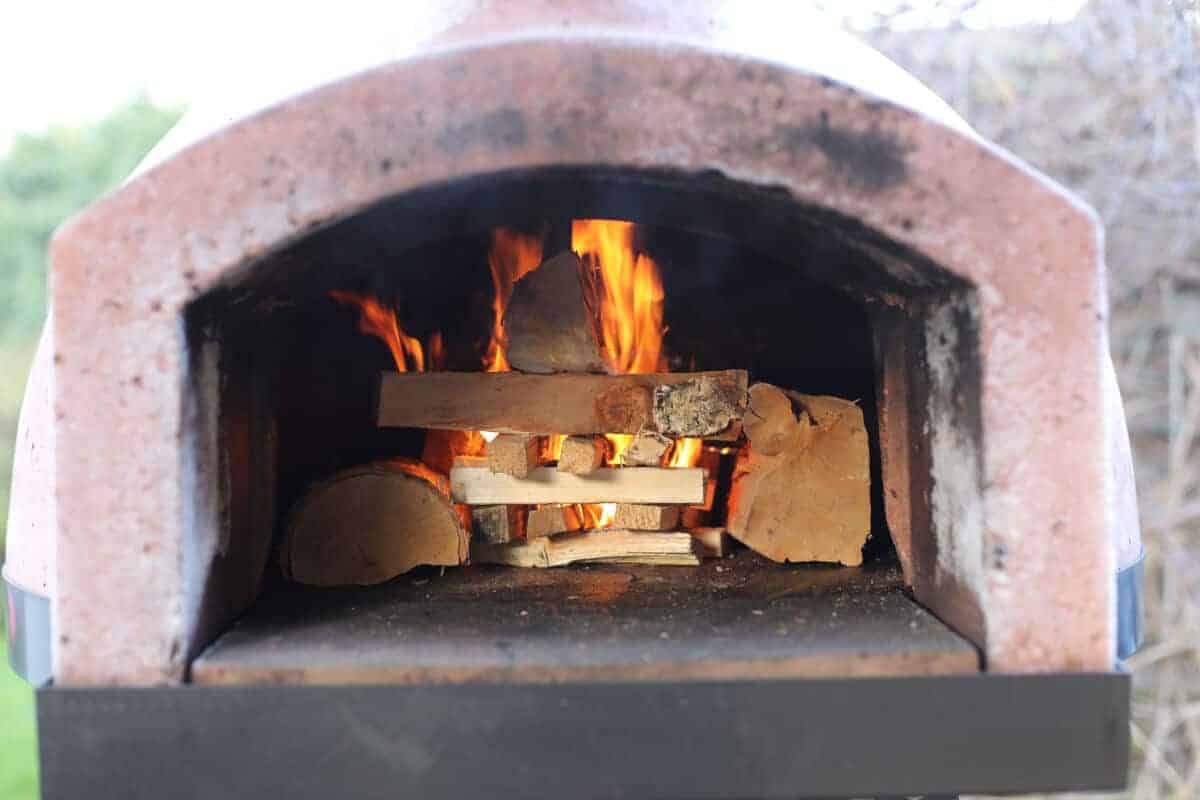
(625, 293)
(512, 256)
(376, 319)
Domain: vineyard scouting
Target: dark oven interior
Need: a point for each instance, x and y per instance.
(286, 385)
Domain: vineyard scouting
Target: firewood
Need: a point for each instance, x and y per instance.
(646, 450)
(513, 454)
(495, 524)
(368, 524)
(549, 520)
(701, 406)
(604, 547)
(711, 542)
(581, 455)
(645, 517)
(700, 515)
(471, 482)
(548, 325)
(511, 402)
(801, 489)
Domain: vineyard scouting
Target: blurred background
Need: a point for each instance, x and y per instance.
(1104, 95)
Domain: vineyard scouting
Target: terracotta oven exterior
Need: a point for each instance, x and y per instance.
(1004, 455)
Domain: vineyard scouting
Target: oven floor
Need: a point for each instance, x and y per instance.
(741, 617)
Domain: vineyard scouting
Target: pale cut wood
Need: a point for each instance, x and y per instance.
(711, 542)
(645, 517)
(495, 524)
(549, 520)
(474, 484)
(581, 455)
(547, 323)
(698, 407)
(368, 524)
(806, 494)
(610, 546)
(648, 449)
(513, 453)
(510, 402)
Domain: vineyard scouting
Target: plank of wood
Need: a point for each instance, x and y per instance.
(646, 517)
(802, 488)
(513, 453)
(547, 323)
(474, 484)
(549, 520)
(368, 524)
(610, 546)
(581, 455)
(512, 402)
(495, 524)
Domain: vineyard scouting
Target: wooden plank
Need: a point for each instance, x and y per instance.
(549, 520)
(597, 623)
(513, 453)
(495, 524)
(471, 482)
(512, 402)
(581, 455)
(610, 546)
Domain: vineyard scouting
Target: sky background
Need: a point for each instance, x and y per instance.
(67, 62)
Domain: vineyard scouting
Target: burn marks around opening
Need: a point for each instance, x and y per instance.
(873, 160)
(502, 129)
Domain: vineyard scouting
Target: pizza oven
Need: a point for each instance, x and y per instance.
(611, 396)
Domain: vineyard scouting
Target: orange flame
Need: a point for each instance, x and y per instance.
(376, 319)
(685, 453)
(590, 516)
(512, 256)
(618, 443)
(625, 292)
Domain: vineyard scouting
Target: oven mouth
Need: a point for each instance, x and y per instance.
(284, 386)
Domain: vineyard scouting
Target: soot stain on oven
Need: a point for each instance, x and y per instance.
(872, 159)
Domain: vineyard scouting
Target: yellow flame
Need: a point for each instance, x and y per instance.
(625, 293)
(685, 453)
(513, 255)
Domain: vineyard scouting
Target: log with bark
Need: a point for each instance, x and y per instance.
(801, 490)
(704, 404)
(599, 547)
(368, 524)
(471, 482)
(547, 322)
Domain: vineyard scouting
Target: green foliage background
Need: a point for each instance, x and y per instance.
(44, 179)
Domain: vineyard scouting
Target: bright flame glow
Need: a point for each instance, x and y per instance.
(512, 256)
(618, 443)
(625, 294)
(376, 319)
(590, 516)
(685, 453)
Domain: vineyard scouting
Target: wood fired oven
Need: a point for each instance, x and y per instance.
(816, 221)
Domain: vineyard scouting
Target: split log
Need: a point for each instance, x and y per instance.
(802, 488)
(368, 524)
(474, 484)
(513, 453)
(645, 517)
(547, 322)
(496, 524)
(647, 449)
(550, 520)
(711, 542)
(581, 455)
(672, 404)
(598, 547)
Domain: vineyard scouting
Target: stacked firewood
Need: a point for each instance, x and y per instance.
(799, 492)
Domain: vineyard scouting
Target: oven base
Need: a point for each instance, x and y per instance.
(786, 738)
